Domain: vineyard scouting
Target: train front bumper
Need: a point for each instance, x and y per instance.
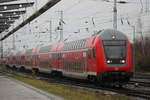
(115, 76)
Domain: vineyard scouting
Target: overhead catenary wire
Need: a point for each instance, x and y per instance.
(109, 21)
(89, 18)
(83, 17)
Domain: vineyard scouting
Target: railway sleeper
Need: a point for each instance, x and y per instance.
(22, 68)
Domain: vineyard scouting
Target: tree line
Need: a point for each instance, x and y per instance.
(142, 54)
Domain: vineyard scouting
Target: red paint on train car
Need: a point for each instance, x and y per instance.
(78, 58)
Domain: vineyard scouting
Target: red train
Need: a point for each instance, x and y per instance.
(106, 57)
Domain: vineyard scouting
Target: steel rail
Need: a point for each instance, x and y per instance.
(135, 92)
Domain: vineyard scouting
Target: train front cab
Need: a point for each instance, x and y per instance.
(116, 66)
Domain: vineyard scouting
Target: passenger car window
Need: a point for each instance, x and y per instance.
(94, 52)
(89, 53)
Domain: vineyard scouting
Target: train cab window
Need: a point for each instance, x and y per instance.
(115, 49)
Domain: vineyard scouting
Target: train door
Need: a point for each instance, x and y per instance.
(91, 62)
(22, 60)
(60, 60)
(84, 61)
(55, 61)
(50, 60)
(35, 60)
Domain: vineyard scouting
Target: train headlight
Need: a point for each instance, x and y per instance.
(113, 37)
(108, 61)
(122, 61)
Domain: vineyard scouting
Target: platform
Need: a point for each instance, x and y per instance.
(11, 89)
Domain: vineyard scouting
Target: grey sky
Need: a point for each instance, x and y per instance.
(81, 17)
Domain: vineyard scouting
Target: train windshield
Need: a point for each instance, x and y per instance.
(115, 49)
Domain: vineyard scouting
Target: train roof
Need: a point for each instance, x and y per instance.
(78, 44)
(110, 34)
(45, 49)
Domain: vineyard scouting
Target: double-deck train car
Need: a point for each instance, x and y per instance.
(105, 58)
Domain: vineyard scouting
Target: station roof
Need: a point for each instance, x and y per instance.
(3, 1)
(12, 13)
(5, 7)
(9, 13)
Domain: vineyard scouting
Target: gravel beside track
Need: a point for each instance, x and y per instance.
(130, 89)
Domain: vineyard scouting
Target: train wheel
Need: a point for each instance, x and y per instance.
(119, 85)
(22, 69)
(14, 68)
(102, 84)
(92, 79)
(53, 74)
(59, 74)
(8, 68)
(56, 74)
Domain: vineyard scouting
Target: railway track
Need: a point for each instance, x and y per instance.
(129, 90)
(144, 83)
(3, 72)
(141, 76)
